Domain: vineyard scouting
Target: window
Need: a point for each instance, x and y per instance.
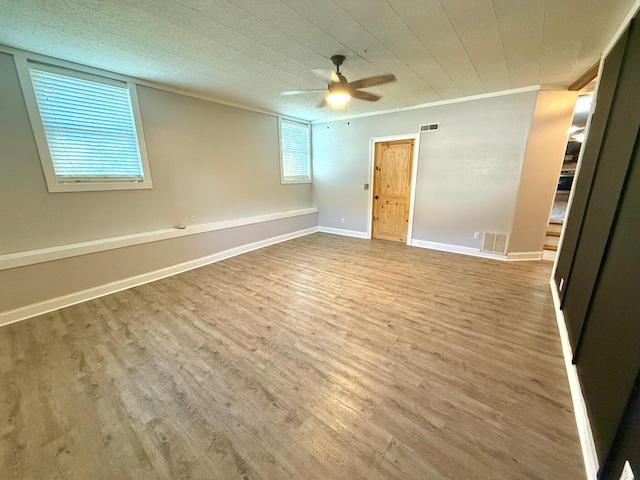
(295, 161)
(87, 129)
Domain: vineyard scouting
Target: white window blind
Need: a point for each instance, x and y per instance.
(89, 126)
(294, 147)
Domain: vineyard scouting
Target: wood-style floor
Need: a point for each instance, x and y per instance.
(320, 358)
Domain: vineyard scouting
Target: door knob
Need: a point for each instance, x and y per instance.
(376, 197)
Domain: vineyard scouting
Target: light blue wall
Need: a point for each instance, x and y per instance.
(214, 161)
(468, 171)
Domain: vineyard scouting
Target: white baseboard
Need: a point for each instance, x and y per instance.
(523, 256)
(29, 311)
(21, 259)
(345, 233)
(549, 255)
(579, 406)
(445, 247)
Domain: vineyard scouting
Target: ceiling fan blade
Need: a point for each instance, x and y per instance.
(369, 97)
(327, 75)
(300, 92)
(373, 81)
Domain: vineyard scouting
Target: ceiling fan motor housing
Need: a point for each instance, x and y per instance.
(339, 87)
(337, 60)
(341, 83)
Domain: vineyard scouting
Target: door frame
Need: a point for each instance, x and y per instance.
(414, 171)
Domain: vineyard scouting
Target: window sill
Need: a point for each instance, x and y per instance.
(97, 186)
(292, 182)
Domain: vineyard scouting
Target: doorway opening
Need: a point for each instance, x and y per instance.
(567, 173)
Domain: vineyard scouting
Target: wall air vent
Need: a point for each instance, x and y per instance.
(495, 242)
(430, 127)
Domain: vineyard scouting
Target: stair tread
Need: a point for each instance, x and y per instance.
(553, 248)
(553, 234)
(555, 222)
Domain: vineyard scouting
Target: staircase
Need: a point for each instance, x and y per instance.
(551, 241)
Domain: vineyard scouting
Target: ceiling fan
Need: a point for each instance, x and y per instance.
(339, 91)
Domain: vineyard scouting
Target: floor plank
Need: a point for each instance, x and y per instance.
(321, 357)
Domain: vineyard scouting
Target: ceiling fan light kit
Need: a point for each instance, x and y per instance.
(340, 91)
(337, 98)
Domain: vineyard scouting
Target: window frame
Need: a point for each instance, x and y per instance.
(54, 185)
(283, 179)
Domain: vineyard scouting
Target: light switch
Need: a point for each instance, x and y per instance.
(366, 186)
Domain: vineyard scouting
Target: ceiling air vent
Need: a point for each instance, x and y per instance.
(495, 242)
(430, 127)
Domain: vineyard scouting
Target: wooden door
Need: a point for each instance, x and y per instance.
(392, 190)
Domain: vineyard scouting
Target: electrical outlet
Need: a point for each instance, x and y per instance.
(627, 473)
(193, 218)
(342, 220)
(476, 236)
(366, 186)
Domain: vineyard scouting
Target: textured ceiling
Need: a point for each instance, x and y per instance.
(247, 51)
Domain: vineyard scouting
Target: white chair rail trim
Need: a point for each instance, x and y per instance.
(30, 257)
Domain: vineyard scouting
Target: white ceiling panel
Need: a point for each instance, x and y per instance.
(247, 51)
(559, 50)
(430, 24)
(362, 45)
(477, 27)
(603, 26)
(521, 41)
(399, 39)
